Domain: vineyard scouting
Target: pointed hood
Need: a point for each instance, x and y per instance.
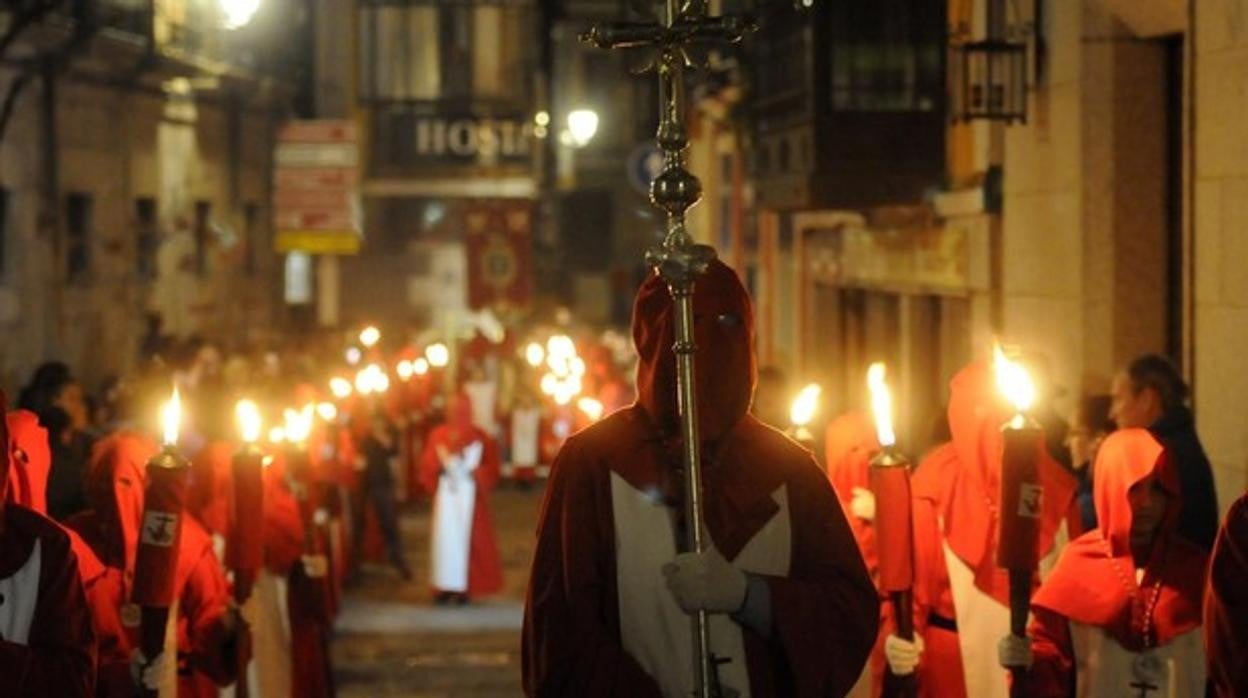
(1094, 581)
(31, 461)
(850, 442)
(209, 495)
(723, 323)
(116, 477)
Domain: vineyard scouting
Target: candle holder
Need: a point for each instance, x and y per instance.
(245, 549)
(889, 480)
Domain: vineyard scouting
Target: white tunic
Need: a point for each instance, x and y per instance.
(652, 627)
(451, 538)
(20, 594)
(1104, 668)
(525, 422)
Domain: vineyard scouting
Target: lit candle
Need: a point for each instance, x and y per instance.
(245, 551)
(803, 411)
(889, 478)
(156, 559)
(1019, 504)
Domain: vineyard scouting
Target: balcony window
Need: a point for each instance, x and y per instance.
(887, 55)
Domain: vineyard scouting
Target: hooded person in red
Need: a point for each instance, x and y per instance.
(47, 647)
(792, 608)
(207, 627)
(959, 495)
(1120, 613)
(1226, 606)
(460, 466)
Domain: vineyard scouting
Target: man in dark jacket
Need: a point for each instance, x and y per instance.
(1151, 394)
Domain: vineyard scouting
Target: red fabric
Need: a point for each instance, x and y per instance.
(894, 528)
(1226, 605)
(976, 413)
(485, 570)
(114, 486)
(59, 656)
(1094, 580)
(725, 384)
(825, 611)
(849, 444)
(31, 461)
(209, 496)
(283, 527)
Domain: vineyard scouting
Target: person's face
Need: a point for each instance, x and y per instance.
(1131, 408)
(74, 404)
(1148, 507)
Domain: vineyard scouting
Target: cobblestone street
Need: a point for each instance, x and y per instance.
(392, 641)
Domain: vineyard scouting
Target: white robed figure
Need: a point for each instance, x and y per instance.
(451, 538)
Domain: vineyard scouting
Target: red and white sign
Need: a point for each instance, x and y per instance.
(315, 187)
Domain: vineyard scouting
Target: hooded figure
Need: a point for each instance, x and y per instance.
(460, 466)
(206, 629)
(792, 608)
(1226, 605)
(1120, 613)
(47, 647)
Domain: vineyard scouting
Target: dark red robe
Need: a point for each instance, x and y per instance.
(824, 611)
(485, 569)
(1226, 605)
(1094, 581)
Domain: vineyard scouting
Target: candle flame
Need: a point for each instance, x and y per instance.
(1013, 381)
(340, 387)
(171, 417)
(438, 354)
(881, 405)
(534, 354)
(420, 366)
(298, 423)
(404, 370)
(369, 336)
(327, 411)
(591, 407)
(277, 435)
(248, 415)
(805, 405)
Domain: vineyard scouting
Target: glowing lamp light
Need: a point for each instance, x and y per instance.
(881, 405)
(578, 366)
(549, 384)
(420, 366)
(298, 423)
(238, 13)
(404, 370)
(340, 387)
(438, 355)
(249, 422)
(277, 435)
(805, 404)
(363, 384)
(327, 411)
(582, 125)
(534, 354)
(171, 417)
(354, 355)
(369, 336)
(591, 407)
(1013, 381)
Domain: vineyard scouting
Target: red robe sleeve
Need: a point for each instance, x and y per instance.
(486, 474)
(203, 604)
(571, 643)
(58, 659)
(1053, 669)
(826, 612)
(430, 465)
(1226, 605)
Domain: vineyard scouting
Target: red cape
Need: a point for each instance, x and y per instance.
(1226, 605)
(849, 443)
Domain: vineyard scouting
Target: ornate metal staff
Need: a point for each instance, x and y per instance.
(678, 260)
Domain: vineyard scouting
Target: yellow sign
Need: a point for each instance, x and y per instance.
(318, 241)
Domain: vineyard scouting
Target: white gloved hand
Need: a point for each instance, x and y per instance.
(147, 674)
(903, 656)
(863, 504)
(705, 582)
(1014, 652)
(315, 566)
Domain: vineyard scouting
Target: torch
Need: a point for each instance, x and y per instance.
(889, 477)
(803, 411)
(1020, 498)
(159, 538)
(245, 551)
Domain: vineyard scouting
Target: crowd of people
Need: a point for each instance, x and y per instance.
(1136, 589)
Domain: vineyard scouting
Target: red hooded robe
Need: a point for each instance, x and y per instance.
(593, 605)
(114, 486)
(1092, 620)
(47, 647)
(1226, 605)
(485, 570)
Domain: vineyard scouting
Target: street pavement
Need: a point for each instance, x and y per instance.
(391, 640)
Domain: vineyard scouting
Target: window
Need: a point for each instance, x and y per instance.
(201, 232)
(78, 213)
(887, 55)
(147, 238)
(425, 50)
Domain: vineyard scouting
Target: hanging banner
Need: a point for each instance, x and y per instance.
(498, 237)
(316, 198)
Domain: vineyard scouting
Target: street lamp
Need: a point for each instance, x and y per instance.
(582, 125)
(238, 13)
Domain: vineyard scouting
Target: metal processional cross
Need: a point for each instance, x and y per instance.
(678, 260)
